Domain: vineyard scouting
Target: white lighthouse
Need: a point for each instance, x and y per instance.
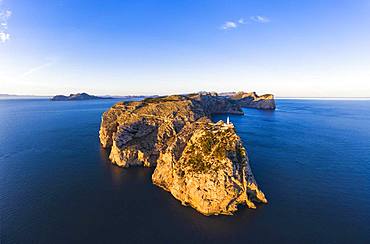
(228, 120)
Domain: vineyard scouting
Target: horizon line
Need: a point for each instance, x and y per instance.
(276, 97)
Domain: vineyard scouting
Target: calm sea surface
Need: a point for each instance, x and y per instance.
(310, 157)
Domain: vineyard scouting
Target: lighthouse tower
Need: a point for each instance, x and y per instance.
(228, 120)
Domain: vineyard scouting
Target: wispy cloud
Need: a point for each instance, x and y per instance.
(4, 16)
(260, 19)
(229, 25)
(32, 70)
(242, 21)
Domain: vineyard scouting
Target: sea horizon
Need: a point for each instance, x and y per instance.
(4, 96)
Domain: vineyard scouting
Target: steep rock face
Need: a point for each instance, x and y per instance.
(211, 103)
(212, 173)
(138, 131)
(201, 163)
(252, 100)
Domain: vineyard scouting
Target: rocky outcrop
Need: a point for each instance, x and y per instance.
(77, 97)
(252, 100)
(202, 164)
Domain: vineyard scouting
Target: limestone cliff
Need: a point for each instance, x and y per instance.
(202, 164)
(252, 100)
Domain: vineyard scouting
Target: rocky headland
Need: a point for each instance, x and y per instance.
(201, 163)
(77, 97)
(252, 100)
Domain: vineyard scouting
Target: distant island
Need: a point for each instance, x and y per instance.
(202, 164)
(77, 97)
(85, 96)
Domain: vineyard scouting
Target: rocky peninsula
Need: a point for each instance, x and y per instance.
(202, 164)
(77, 97)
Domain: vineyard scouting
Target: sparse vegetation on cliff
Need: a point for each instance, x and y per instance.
(203, 164)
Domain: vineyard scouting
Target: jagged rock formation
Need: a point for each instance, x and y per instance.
(202, 164)
(76, 97)
(252, 100)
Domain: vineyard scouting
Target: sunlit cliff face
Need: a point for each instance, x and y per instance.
(203, 164)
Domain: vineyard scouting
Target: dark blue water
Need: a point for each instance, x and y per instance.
(310, 157)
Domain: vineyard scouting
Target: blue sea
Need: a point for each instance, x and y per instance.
(310, 157)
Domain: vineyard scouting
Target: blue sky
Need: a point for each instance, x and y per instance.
(289, 48)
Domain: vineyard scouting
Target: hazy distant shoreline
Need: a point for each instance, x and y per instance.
(10, 96)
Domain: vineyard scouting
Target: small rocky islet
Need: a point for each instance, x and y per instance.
(202, 164)
(77, 97)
